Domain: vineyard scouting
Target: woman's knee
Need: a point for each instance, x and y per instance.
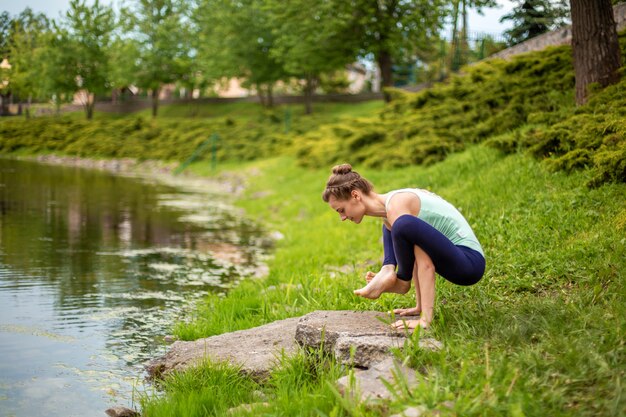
(404, 227)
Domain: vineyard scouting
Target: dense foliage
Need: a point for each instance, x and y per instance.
(246, 131)
(141, 137)
(526, 102)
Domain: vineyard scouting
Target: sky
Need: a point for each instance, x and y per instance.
(489, 23)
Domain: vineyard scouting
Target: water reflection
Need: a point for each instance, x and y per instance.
(94, 269)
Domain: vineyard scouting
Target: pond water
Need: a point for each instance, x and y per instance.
(94, 270)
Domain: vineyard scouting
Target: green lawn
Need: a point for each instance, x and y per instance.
(541, 334)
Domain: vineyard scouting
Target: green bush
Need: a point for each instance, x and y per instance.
(524, 103)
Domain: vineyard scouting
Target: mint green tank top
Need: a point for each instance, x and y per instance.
(444, 217)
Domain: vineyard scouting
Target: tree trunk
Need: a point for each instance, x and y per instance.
(595, 47)
(308, 94)
(464, 45)
(386, 71)
(259, 91)
(28, 103)
(155, 101)
(455, 37)
(89, 105)
(57, 104)
(270, 96)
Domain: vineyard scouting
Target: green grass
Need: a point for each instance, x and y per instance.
(541, 334)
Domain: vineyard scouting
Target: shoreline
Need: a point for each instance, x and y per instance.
(227, 182)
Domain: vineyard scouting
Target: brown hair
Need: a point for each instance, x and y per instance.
(342, 181)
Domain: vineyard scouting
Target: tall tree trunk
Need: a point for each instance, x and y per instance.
(386, 71)
(270, 96)
(595, 47)
(464, 36)
(28, 103)
(89, 105)
(259, 91)
(455, 37)
(57, 104)
(155, 101)
(309, 88)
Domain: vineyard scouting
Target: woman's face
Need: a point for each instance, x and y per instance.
(352, 209)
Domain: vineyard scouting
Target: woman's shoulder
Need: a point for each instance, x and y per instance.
(402, 199)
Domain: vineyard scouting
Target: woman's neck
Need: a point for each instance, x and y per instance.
(374, 205)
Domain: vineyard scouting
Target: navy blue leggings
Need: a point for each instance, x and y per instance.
(456, 263)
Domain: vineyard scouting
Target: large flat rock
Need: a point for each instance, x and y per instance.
(328, 325)
(255, 350)
(357, 338)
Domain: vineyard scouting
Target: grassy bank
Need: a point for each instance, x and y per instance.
(246, 131)
(541, 334)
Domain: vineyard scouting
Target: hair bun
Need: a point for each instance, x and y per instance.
(342, 169)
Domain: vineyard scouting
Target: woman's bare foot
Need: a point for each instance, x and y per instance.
(384, 281)
(410, 324)
(415, 311)
(369, 276)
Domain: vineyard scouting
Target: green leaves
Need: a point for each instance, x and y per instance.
(81, 46)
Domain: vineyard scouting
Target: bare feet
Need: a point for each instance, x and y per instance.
(369, 276)
(384, 281)
(410, 324)
(415, 311)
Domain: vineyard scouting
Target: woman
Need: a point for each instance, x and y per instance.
(422, 234)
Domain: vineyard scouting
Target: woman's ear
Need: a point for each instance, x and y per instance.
(356, 194)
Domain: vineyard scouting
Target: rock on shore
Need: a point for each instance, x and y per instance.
(255, 351)
(357, 338)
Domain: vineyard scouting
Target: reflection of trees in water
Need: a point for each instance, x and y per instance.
(108, 259)
(57, 221)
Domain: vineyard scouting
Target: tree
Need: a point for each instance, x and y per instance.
(88, 31)
(5, 33)
(394, 29)
(25, 52)
(57, 66)
(533, 17)
(244, 26)
(124, 64)
(459, 50)
(311, 38)
(595, 47)
(163, 47)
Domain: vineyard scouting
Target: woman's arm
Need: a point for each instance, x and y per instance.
(426, 279)
(389, 254)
